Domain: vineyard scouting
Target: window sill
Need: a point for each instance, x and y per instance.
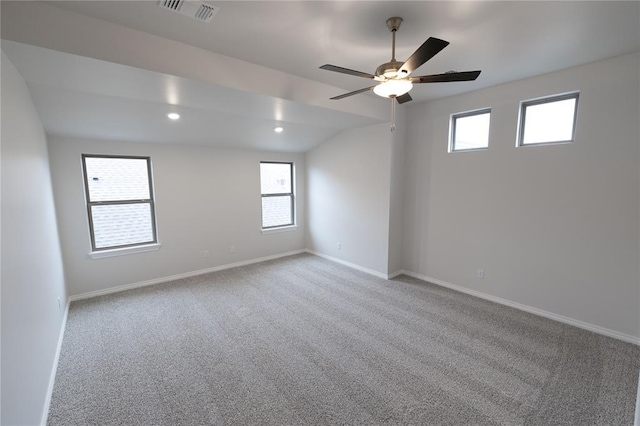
(124, 251)
(455, 151)
(279, 229)
(522, 145)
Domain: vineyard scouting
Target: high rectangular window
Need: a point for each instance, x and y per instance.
(548, 120)
(469, 130)
(119, 194)
(276, 183)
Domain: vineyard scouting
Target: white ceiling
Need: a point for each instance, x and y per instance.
(83, 97)
(506, 40)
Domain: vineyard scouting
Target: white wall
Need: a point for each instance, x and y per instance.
(554, 227)
(32, 272)
(348, 183)
(206, 199)
(396, 195)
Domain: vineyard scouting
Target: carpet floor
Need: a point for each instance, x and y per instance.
(303, 340)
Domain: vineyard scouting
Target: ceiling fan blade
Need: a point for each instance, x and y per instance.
(425, 52)
(446, 77)
(366, 89)
(346, 71)
(404, 98)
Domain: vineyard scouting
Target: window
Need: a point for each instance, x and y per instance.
(469, 130)
(276, 183)
(119, 194)
(548, 120)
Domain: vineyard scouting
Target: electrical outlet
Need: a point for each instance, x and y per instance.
(339, 246)
(232, 249)
(205, 253)
(480, 274)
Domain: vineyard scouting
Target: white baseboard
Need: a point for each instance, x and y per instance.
(561, 318)
(54, 369)
(577, 323)
(180, 276)
(540, 312)
(395, 274)
(349, 264)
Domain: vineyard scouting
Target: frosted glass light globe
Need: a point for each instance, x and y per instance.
(393, 88)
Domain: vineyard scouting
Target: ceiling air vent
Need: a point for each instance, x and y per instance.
(194, 9)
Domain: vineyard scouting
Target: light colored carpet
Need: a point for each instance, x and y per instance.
(303, 340)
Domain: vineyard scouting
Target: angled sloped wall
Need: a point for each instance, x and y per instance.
(32, 272)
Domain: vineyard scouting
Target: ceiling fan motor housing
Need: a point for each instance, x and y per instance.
(390, 70)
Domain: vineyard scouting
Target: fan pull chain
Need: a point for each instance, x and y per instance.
(393, 113)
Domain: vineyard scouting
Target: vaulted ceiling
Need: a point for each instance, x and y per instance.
(113, 70)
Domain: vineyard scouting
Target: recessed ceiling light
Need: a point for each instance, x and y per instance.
(173, 115)
(278, 129)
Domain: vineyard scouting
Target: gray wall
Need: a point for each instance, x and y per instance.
(32, 273)
(206, 199)
(348, 184)
(554, 227)
(398, 141)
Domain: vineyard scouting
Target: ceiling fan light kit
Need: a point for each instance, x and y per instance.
(394, 77)
(393, 88)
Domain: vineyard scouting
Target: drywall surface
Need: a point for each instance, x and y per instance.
(348, 184)
(553, 227)
(398, 141)
(95, 38)
(206, 199)
(32, 272)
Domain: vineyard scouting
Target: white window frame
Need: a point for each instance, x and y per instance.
(453, 124)
(522, 117)
(286, 227)
(101, 252)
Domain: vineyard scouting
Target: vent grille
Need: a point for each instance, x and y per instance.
(171, 4)
(205, 12)
(194, 9)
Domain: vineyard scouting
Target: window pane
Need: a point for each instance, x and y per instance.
(117, 179)
(122, 224)
(275, 178)
(471, 132)
(277, 211)
(549, 122)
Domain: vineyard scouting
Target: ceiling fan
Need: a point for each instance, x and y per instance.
(394, 77)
